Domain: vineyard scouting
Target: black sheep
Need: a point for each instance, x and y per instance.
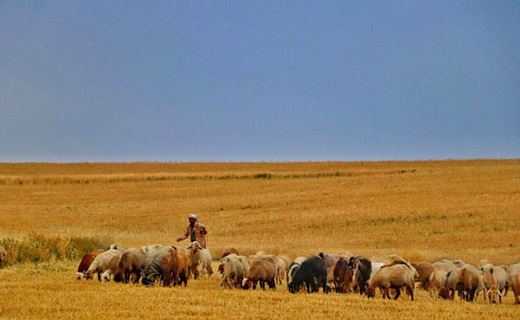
(312, 273)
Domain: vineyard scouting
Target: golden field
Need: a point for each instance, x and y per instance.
(422, 211)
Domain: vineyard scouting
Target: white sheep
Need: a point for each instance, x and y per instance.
(200, 260)
(233, 271)
(101, 263)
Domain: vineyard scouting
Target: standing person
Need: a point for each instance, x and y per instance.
(196, 231)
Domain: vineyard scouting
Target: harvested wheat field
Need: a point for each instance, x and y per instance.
(50, 214)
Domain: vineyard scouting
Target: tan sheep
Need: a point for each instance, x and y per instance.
(444, 264)
(392, 277)
(261, 271)
(436, 282)
(515, 285)
(495, 282)
(424, 269)
(101, 262)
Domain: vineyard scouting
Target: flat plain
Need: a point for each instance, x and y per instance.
(421, 210)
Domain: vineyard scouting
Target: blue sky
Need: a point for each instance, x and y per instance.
(259, 80)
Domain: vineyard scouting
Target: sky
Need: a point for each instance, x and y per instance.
(225, 81)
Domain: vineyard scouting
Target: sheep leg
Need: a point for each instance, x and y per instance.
(386, 293)
(409, 290)
(397, 294)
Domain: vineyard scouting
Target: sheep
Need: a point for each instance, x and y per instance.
(375, 267)
(424, 270)
(245, 263)
(342, 276)
(312, 272)
(263, 255)
(395, 277)
(3, 256)
(299, 260)
(444, 264)
(468, 282)
(281, 269)
(495, 282)
(112, 269)
(162, 268)
(151, 250)
(233, 271)
(362, 268)
(229, 251)
(283, 266)
(86, 261)
(330, 262)
(132, 262)
(183, 269)
(387, 258)
(293, 269)
(100, 263)
(483, 263)
(459, 263)
(114, 246)
(436, 282)
(515, 285)
(450, 284)
(286, 259)
(261, 271)
(200, 260)
(481, 286)
(465, 280)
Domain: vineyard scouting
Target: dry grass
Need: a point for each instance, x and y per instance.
(420, 210)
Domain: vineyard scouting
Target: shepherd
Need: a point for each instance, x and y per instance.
(195, 230)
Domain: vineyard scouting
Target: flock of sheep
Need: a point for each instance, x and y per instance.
(169, 265)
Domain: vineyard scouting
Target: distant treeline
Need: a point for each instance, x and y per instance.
(117, 178)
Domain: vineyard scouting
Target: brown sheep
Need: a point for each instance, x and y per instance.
(261, 271)
(424, 269)
(86, 261)
(132, 262)
(162, 268)
(515, 286)
(330, 263)
(229, 251)
(183, 269)
(392, 277)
